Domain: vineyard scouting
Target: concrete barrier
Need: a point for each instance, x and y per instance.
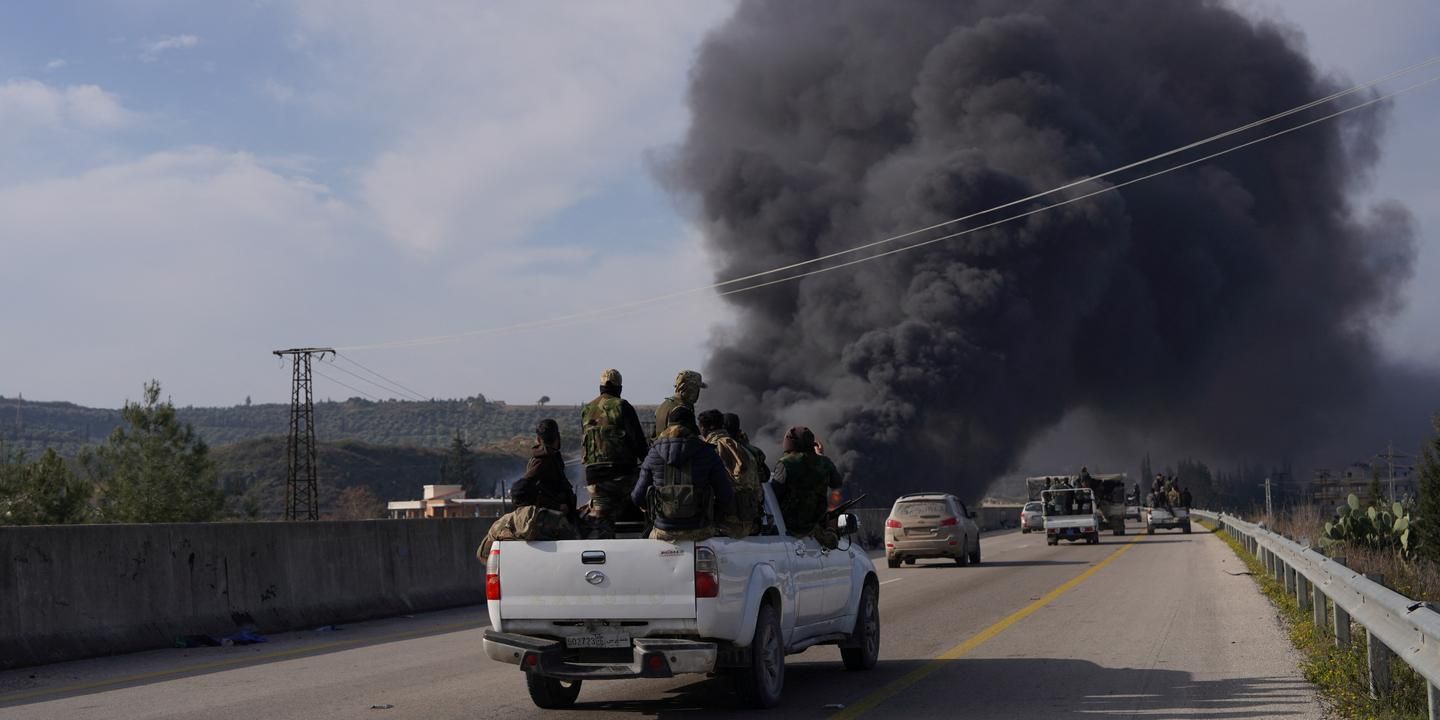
(78, 591)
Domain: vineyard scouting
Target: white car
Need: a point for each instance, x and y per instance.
(574, 610)
(1032, 517)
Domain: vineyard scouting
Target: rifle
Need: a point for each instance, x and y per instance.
(842, 507)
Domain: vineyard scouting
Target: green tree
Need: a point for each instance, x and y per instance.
(45, 492)
(1428, 511)
(154, 468)
(459, 465)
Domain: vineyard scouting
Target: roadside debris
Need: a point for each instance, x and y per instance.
(384, 706)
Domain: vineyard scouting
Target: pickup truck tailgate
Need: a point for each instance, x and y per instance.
(599, 579)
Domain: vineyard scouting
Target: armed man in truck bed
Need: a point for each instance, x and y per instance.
(612, 445)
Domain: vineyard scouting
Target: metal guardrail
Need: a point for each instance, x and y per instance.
(1394, 624)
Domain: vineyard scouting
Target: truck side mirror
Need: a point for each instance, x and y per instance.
(847, 524)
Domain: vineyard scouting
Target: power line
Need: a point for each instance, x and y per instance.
(1078, 198)
(356, 363)
(620, 308)
(352, 387)
(387, 390)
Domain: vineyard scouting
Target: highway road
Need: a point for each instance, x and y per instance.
(1138, 626)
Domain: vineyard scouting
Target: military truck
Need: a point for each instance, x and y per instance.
(1109, 492)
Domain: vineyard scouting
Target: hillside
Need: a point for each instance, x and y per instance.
(33, 426)
(253, 472)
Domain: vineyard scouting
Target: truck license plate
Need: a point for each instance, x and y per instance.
(599, 638)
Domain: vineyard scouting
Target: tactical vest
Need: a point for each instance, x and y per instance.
(676, 498)
(603, 440)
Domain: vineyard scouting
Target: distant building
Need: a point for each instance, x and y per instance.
(446, 501)
(1329, 488)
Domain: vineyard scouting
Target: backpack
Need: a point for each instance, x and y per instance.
(747, 485)
(603, 441)
(533, 522)
(677, 499)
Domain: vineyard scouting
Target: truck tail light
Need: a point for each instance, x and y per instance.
(492, 575)
(707, 573)
(949, 521)
(892, 523)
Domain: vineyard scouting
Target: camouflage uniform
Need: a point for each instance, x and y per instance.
(613, 444)
(744, 478)
(802, 481)
(687, 392)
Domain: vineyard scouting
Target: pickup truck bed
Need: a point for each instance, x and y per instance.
(1167, 519)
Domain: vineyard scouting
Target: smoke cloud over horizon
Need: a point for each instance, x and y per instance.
(1232, 304)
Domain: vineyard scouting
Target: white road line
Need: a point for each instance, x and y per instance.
(887, 582)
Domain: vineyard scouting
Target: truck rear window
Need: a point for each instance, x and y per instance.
(917, 508)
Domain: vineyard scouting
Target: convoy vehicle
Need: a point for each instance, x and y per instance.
(1070, 515)
(568, 611)
(1032, 517)
(931, 525)
(1109, 491)
(1167, 519)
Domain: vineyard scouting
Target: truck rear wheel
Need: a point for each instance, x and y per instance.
(867, 632)
(552, 693)
(760, 684)
(892, 561)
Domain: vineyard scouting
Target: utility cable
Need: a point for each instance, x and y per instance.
(393, 383)
(1078, 198)
(343, 384)
(602, 312)
(383, 388)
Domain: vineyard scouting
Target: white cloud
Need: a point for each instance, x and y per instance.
(152, 50)
(277, 91)
(194, 253)
(504, 113)
(56, 64)
(30, 104)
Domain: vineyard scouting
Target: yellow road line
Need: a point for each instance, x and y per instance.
(873, 700)
(240, 661)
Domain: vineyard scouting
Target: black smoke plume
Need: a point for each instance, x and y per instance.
(1232, 304)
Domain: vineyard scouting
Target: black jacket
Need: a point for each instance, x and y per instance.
(544, 482)
(706, 471)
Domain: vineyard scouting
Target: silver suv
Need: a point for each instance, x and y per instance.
(931, 525)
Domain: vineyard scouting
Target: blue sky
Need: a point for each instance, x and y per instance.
(186, 186)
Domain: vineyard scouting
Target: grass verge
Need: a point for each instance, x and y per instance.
(1339, 674)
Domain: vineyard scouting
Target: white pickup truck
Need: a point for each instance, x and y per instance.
(1070, 515)
(573, 610)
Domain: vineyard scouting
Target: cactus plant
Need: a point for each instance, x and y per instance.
(1377, 528)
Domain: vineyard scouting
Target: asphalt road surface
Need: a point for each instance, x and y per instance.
(1138, 626)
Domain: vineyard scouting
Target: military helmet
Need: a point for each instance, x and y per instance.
(611, 377)
(689, 378)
